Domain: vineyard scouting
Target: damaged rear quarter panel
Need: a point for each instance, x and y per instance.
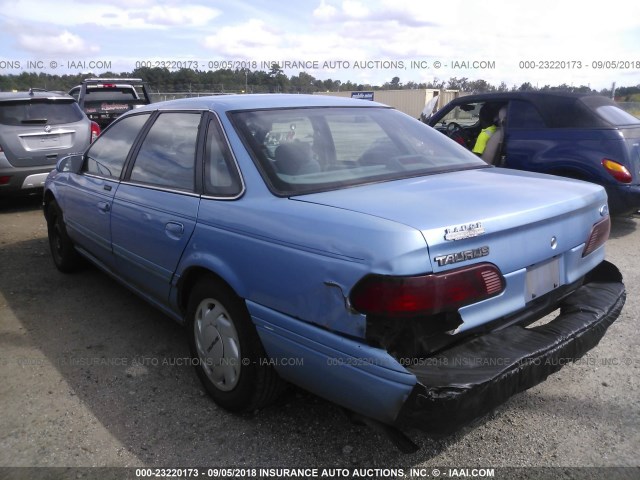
(266, 246)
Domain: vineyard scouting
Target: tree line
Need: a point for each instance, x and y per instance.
(275, 81)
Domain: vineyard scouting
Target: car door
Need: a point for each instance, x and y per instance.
(526, 136)
(89, 195)
(155, 208)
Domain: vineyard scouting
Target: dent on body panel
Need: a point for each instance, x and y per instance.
(334, 310)
(316, 285)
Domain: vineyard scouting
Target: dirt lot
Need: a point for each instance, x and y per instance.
(92, 376)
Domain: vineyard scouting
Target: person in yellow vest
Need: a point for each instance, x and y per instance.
(488, 126)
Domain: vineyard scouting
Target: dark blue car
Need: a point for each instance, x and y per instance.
(581, 136)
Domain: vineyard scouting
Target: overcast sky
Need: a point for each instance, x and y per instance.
(382, 39)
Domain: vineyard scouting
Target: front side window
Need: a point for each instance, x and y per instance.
(107, 155)
(304, 150)
(167, 155)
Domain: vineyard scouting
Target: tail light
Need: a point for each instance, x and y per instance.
(426, 294)
(598, 236)
(95, 131)
(617, 171)
(5, 179)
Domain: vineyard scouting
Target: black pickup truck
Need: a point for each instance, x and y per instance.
(105, 99)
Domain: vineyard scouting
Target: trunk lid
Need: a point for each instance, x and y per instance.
(523, 218)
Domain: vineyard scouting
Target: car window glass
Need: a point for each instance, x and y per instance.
(109, 152)
(465, 115)
(75, 93)
(337, 147)
(110, 94)
(167, 155)
(356, 135)
(220, 171)
(524, 115)
(616, 116)
(39, 112)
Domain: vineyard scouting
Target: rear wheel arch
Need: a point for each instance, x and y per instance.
(579, 166)
(190, 278)
(226, 349)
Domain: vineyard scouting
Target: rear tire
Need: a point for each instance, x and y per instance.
(65, 257)
(226, 350)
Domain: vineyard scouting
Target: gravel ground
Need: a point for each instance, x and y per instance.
(90, 375)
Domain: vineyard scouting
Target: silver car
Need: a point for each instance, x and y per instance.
(37, 128)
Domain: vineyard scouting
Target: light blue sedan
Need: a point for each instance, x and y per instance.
(342, 246)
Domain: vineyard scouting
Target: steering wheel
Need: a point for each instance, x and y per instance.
(456, 133)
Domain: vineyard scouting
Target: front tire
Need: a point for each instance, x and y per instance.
(226, 350)
(65, 257)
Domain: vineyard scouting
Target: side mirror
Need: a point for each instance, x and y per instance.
(71, 163)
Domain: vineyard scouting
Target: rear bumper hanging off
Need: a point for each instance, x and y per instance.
(472, 378)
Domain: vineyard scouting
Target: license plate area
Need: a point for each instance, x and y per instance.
(542, 278)
(46, 141)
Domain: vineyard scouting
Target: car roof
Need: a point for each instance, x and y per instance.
(559, 109)
(36, 94)
(100, 85)
(531, 95)
(225, 103)
(113, 80)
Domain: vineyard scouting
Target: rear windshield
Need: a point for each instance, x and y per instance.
(308, 150)
(116, 100)
(39, 112)
(110, 94)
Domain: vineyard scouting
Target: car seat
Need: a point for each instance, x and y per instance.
(493, 150)
(295, 159)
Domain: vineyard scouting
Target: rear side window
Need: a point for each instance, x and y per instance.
(616, 116)
(39, 112)
(167, 155)
(220, 171)
(524, 115)
(107, 155)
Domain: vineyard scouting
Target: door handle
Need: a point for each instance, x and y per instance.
(104, 206)
(174, 230)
